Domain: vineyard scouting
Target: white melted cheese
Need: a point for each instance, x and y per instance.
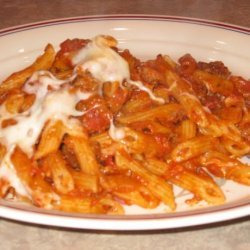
(102, 62)
(140, 86)
(116, 133)
(107, 65)
(57, 103)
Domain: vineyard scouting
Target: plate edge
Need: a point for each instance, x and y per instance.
(223, 25)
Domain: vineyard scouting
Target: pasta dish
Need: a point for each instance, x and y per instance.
(90, 128)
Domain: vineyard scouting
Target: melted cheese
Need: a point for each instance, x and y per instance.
(102, 62)
(116, 133)
(140, 86)
(57, 103)
(107, 65)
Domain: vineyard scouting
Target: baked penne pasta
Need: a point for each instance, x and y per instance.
(17, 79)
(168, 111)
(51, 139)
(192, 148)
(187, 130)
(92, 129)
(202, 188)
(208, 123)
(80, 146)
(223, 166)
(56, 166)
(129, 190)
(161, 189)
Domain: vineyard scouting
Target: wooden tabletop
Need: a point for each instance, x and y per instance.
(233, 234)
(19, 12)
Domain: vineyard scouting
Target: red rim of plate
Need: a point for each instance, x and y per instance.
(227, 26)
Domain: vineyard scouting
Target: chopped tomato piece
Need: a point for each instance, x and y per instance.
(216, 68)
(97, 116)
(63, 57)
(187, 65)
(96, 120)
(72, 45)
(242, 85)
(213, 102)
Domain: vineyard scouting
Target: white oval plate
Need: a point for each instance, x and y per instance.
(145, 36)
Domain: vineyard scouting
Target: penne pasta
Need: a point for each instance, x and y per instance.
(92, 129)
(61, 177)
(193, 148)
(23, 166)
(223, 166)
(74, 204)
(137, 142)
(187, 130)
(237, 149)
(203, 188)
(51, 139)
(83, 152)
(16, 80)
(207, 122)
(36, 188)
(161, 189)
(85, 182)
(168, 111)
(200, 187)
(214, 83)
(130, 190)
